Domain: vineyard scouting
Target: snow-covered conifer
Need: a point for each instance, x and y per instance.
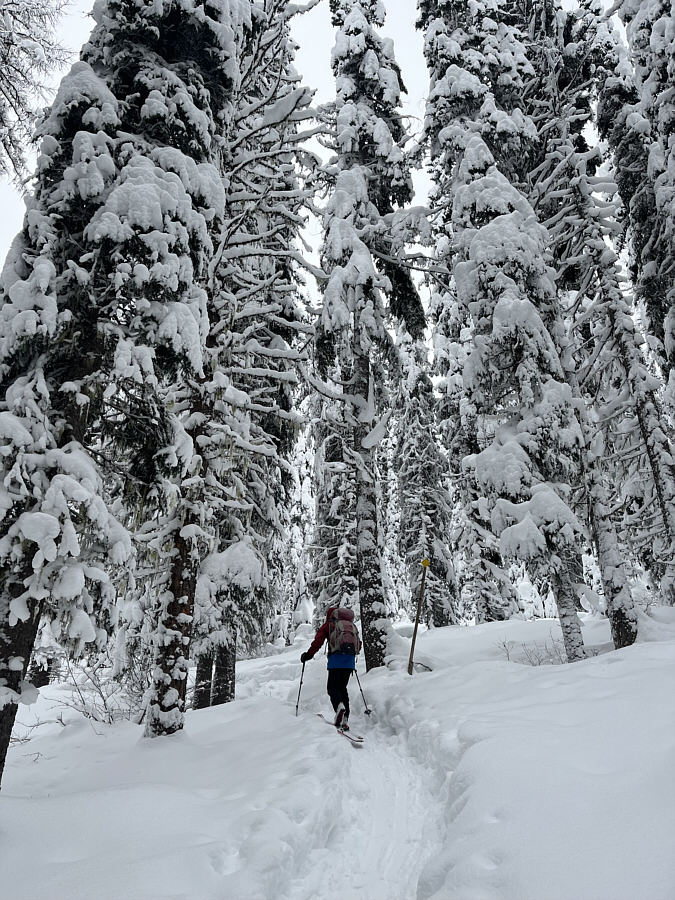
(424, 502)
(334, 573)
(644, 134)
(128, 202)
(623, 125)
(253, 352)
(485, 589)
(604, 349)
(557, 95)
(301, 529)
(239, 414)
(555, 68)
(477, 64)
(518, 401)
(364, 273)
(56, 532)
(28, 53)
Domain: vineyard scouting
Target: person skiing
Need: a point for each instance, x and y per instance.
(344, 644)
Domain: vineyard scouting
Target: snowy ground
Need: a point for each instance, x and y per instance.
(484, 779)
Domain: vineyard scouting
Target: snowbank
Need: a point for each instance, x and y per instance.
(484, 779)
(562, 783)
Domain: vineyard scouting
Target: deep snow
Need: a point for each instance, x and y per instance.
(484, 779)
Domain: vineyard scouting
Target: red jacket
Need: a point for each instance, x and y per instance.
(319, 638)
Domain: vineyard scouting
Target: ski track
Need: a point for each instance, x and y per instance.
(381, 834)
(381, 818)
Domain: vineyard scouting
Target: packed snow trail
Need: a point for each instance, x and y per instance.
(382, 830)
(381, 816)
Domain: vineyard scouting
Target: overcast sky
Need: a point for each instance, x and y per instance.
(313, 33)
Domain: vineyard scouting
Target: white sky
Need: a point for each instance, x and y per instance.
(313, 33)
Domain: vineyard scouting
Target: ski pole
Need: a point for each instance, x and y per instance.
(366, 710)
(425, 565)
(300, 688)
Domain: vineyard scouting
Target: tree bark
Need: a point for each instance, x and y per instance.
(39, 676)
(224, 673)
(373, 609)
(16, 644)
(620, 608)
(203, 681)
(618, 596)
(166, 708)
(563, 591)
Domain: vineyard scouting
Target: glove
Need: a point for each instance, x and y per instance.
(304, 657)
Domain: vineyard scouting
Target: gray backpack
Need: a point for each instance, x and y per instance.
(343, 635)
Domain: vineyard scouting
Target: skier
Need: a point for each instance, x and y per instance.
(343, 645)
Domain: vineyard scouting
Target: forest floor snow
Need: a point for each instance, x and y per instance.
(494, 776)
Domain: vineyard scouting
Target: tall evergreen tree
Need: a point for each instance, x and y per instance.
(486, 593)
(558, 53)
(519, 403)
(56, 531)
(476, 64)
(372, 178)
(253, 348)
(643, 139)
(302, 526)
(506, 302)
(604, 350)
(557, 95)
(424, 502)
(129, 182)
(334, 574)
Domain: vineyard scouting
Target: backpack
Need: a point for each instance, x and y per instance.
(343, 635)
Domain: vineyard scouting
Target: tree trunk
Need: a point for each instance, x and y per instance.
(374, 622)
(16, 644)
(618, 598)
(39, 676)
(575, 562)
(224, 673)
(203, 682)
(166, 708)
(564, 593)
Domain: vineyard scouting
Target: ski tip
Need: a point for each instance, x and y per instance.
(354, 738)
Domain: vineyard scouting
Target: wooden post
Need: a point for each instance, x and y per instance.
(425, 565)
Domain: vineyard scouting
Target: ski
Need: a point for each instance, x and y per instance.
(355, 739)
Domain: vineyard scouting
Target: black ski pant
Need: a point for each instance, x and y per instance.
(338, 679)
